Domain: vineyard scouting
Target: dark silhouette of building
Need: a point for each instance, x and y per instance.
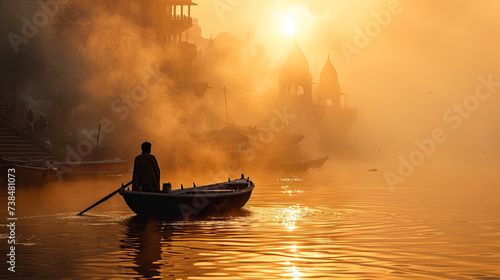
(329, 119)
(76, 39)
(295, 88)
(336, 115)
(329, 93)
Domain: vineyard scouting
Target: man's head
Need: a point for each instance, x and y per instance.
(146, 148)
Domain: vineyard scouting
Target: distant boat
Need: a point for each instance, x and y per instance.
(292, 166)
(28, 172)
(189, 202)
(112, 167)
(242, 143)
(314, 162)
(297, 164)
(35, 162)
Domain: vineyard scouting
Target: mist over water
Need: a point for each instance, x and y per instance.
(422, 75)
(406, 63)
(403, 69)
(338, 221)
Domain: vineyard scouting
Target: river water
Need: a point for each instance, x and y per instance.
(338, 222)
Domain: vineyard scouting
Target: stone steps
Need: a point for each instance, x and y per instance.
(13, 145)
(16, 141)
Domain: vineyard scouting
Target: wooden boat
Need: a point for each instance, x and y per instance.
(190, 202)
(293, 166)
(298, 164)
(314, 162)
(29, 172)
(36, 162)
(85, 168)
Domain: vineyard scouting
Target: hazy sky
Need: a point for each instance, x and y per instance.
(409, 66)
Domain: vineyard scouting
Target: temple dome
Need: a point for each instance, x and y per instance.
(329, 91)
(212, 49)
(296, 58)
(328, 73)
(296, 66)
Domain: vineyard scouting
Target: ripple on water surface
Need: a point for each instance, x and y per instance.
(337, 222)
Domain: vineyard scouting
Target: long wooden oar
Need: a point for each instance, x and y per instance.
(105, 198)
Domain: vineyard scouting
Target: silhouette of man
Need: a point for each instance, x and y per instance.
(146, 174)
(29, 115)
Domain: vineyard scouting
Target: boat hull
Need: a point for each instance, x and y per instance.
(290, 166)
(192, 202)
(92, 168)
(28, 175)
(317, 162)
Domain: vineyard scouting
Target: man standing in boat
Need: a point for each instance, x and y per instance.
(146, 176)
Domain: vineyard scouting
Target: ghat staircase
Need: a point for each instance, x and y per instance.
(16, 141)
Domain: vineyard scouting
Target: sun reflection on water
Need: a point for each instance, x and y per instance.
(290, 192)
(330, 231)
(290, 215)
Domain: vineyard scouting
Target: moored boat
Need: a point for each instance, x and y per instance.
(36, 162)
(293, 166)
(29, 172)
(299, 164)
(112, 167)
(189, 202)
(314, 162)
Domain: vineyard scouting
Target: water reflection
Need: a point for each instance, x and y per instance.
(259, 242)
(142, 241)
(344, 224)
(289, 216)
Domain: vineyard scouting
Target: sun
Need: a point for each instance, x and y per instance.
(289, 26)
